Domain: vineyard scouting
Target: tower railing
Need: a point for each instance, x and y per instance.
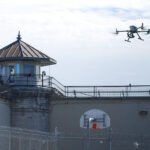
(56, 85)
(44, 81)
(25, 80)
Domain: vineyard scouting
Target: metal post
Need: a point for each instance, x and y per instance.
(66, 91)
(43, 74)
(94, 91)
(136, 145)
(27, 80)
(110, 139)
(88, 144)
(30, 143)
(47, 144)
(42, 79)
(89, 135)
(56, 138)
(127, 91)
(50, 82)
(9, 139)
(20, 138)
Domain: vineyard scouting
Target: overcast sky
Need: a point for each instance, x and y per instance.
(78, 35)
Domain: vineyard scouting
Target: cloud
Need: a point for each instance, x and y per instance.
(116, 12)
(77, 34)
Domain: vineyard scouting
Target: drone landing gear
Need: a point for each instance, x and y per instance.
(127, 40)
(140, 37)
(129, 35)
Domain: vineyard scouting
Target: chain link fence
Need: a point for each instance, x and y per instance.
(21, 139)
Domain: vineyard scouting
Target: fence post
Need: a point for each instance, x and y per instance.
(42, 79)
(27, 80)
(9, 139)
(94, 90)
(110, 139)
(56, 138)
(50, 82)
(66, 91)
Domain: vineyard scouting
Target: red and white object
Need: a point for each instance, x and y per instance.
(95, 119)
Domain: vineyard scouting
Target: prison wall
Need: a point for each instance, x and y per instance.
(4, 112)
(30, 108)
(129, 119)
(4, 121)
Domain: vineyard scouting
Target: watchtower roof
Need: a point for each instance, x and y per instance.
(21, 51)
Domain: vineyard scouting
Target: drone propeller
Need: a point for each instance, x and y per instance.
(148, 31)
(116, 32)
(142, 26)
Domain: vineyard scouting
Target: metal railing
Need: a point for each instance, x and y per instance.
(76, 91)
(108, 91)
(102, 91)
(26, 80)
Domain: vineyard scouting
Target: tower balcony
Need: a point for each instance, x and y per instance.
(58, 89)
(39, 80)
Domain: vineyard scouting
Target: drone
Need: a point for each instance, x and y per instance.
(134, 30)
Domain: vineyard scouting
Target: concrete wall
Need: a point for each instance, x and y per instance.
(4, 122)
(4, 113)
(127, 121)
(124, 114)
(30, 109)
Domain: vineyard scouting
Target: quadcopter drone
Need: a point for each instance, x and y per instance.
(134, 30)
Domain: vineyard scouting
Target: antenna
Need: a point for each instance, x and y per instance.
(19, 36)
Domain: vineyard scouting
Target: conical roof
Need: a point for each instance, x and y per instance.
(21, 51)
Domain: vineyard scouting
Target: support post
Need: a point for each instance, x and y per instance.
(110, 139)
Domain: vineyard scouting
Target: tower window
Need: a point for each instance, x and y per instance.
(17, 68)
(29, 69)
(0, 69)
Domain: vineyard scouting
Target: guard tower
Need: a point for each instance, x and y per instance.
(20, 63)
(24, 86)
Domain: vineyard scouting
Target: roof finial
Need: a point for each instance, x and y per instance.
(19, 36)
